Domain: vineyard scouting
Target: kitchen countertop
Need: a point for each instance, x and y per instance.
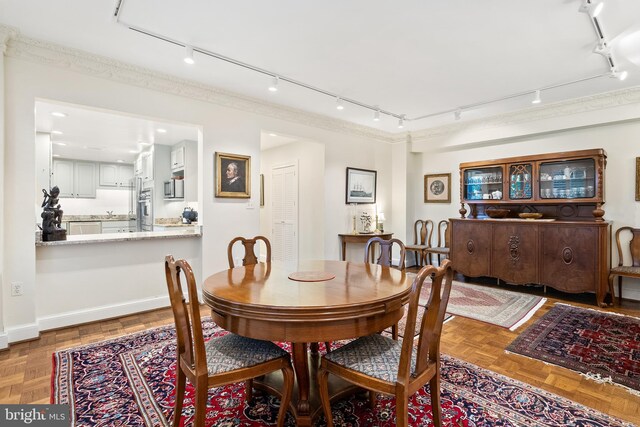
(193, 231)
(88, 218)
(177, 224)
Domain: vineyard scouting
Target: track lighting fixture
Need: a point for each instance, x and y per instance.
(593, 9)
(274, 84)
(620, 75)
(188, 57)
(590, 7)
(536, 98)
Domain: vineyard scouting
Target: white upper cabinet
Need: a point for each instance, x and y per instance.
(147, 166)
(74, 178)
(114, 175)
(177, 158)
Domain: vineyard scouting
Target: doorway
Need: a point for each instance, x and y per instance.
(284, 213)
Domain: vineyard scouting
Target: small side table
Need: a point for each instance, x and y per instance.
(360, 238)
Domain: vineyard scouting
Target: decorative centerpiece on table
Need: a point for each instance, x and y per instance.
(52, 217)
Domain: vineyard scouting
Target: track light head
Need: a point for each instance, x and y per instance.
(339, 104)
(274, 84)
(376, 116)
(602, 48)
(457, 114)
(188, 57)
(536, 98)
(620, 75)
(593, 9)
(401, 122)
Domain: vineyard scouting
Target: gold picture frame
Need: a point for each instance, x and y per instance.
(437, 188)
(638, 179)
(233, 175)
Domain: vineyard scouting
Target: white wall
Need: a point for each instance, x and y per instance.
(618, 139)
(310, 158)
(63, 272)
(107, 199)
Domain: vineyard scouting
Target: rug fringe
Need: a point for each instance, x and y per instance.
(528, 315)
(590, 375)
(598, 311)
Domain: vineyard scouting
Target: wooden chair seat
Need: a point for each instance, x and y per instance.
(442, 248)
(628, 269)
(380, 364)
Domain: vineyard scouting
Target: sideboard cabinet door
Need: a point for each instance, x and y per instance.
(514, 252)
(569, 258)
(470, 244)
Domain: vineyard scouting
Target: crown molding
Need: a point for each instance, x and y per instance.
(601, 101)
(51, 54)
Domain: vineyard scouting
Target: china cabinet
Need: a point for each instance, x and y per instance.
(567, 249)
(567, 185)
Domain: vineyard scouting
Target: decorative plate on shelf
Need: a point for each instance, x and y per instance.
(530, 215)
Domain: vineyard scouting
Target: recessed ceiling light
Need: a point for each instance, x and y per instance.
(160, 130)
(144, 143)
(272, 134)
(59, 114)
(60, 143)
(120, 161)
(133, 151)
(55, 155)
(56, 132)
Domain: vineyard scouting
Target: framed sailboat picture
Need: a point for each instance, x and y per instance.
(361, 186)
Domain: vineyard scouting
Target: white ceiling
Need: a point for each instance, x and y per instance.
(103, 136)
(413, 57)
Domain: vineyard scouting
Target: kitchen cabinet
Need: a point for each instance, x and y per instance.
(137, 167)
(147, 165)
(115, 175)
(177, 158)
(567, 185)
(84, 227)
(117, 227)
(74, 178)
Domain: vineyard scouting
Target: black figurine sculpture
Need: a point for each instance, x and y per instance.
(52, 217)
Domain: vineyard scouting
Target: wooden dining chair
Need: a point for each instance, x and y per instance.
(631, 269)
(249, 250)
(422, 231)
(221, 360)
(386, 251)
(380, 364)
(442, 248)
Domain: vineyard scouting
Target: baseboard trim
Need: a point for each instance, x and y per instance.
(24, 332)
(72, 318)
(4, 341)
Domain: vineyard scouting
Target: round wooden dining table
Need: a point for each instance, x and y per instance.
(307, 303)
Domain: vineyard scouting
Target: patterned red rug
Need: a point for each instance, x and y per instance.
(602, 346)
(129, 381)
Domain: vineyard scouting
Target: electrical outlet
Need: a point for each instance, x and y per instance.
(16, 289)
(250, 205)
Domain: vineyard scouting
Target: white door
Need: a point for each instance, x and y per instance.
(284, 212)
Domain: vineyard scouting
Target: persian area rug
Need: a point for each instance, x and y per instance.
(130, 381)
(602, 346)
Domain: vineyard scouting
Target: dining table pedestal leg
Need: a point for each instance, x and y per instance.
(301, 367)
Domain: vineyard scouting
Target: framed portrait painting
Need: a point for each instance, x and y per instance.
(233, 175)
(361, 186)
(437, 188)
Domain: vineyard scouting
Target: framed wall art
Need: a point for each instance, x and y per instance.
(437, 188)
(233, 175)
(361, 186)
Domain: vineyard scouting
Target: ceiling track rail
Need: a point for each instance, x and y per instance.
(375, 108)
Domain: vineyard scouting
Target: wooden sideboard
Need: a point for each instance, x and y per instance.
(571, 256)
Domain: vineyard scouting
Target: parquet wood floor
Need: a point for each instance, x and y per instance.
(25, 368)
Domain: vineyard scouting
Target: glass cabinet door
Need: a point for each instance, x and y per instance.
(520, 181)
(483, 183)
(571, 179)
